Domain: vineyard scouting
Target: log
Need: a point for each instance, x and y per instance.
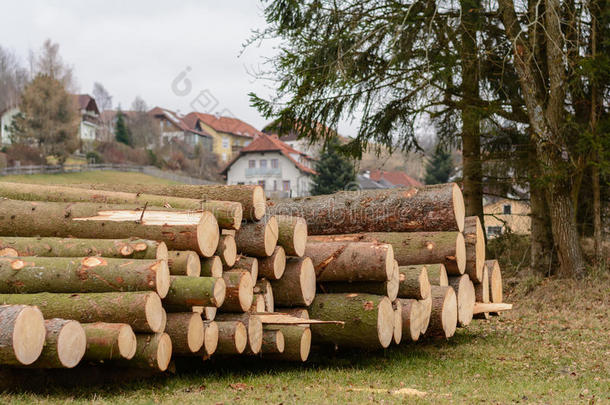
(22, 334)
(277, 318)
(258, 304)
(65, 344)
(273, 341)
(444, 311)
(369, 320)
(272, 267)
(264, 287)
(297, 287)
(249, 264)
(389, 288)
(437, 275)
(153, 351)
(481, 293)
(297, 343)
(184, 263)
(251, 197)
(211, 267)
(428, 208)
(83, 274)
(411, 314)
(257, 239)
(292, 234)
(179, 230)
(186, 292)
(232, 337)
(414, 247)
(186, 332)
(464, 291)
(491, 307)
(425, 307)
(207, 313)
(227, 250)
(397, 307)
(495, 281)
(141, 310)
(210, 341)
(240, 291)
(73, 247)
(474, 239)
(296, 312)
(351, 261)
(254, 328)
(108, 341)
(413, 282)
(228, 214)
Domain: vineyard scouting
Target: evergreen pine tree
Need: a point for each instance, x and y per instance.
(335, 171)
(121, 132)
(439, 168)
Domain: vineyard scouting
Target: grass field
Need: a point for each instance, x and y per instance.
(87, 177)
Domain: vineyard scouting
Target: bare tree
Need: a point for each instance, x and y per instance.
(49, 62)
(144, 131)
(13, 78)
(104, 103)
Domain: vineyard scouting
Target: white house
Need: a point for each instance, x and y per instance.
(281, 170)
(6, 120)
(90, 117)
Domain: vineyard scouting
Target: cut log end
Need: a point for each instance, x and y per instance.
(195, 333)
(228, 250)
(71, 344)
(220, 291)
(273, 341)
(255, 334)
(443, 278)
(308, 281)
(385, 322)
(397, 305)
(460, 253)
(495, 281)
(300, 237)
(479, 250)
(271, 235)
(449, 315)
(210, 342)
(162, 251)
(390, 263)
(424, 283)
(259, 203)
(127, 342)
(162, 278)
(273, 267)
(28, 335)
(305, 344)
(164, 352)
(154, 312)
(465, 295)
(211, 267)
(393, 284)
(240, 337)
(459, 208)
(208, 234)
(246, 291)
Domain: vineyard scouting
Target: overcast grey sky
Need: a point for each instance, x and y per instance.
(140, 47)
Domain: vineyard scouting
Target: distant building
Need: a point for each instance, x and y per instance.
(89, 117)
(6, 120)
(280, 169)
(175, 126)
(504, 214)
(375, 179)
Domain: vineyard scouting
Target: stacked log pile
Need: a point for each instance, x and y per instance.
(137, 275)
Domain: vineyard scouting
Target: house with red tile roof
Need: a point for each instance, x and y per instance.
(280, 169)
(173, 125)
(393, 178)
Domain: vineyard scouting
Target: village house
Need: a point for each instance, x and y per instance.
(229, 134)
(173, 125)
(507, 215)
(6, 119)
(280, 169)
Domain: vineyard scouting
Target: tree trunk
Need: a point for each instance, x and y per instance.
(464, 291)
(257, 239)
(228, 214)
(227, 250)
(184, 263)
(444, 312)
(186, 332)
(211, 267)
(65, 344)
(411, 313)
(273, 341)
(297, 343)
(153, 351)
(541, 238)
(108, 341)
(240, 291)
(474, 239)
(264, 288)
(351, 261)
(141, 310)
(428, 208)
(413, 247)
(292, 234)
(297, 287)
(369, 320)
(491, 307)
(254, 328)
(272, 267)
(251, 197)
(232, 337)
(413, 282)
(22, 334)
(179, 230)
(73, 247)
(437, 275)
(186, 292)
(83, 274)
(249, 264)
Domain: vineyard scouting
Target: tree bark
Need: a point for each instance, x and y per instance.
(184, 263)
(481, 293)
(72, 247)
(141, 310)
(444, 312)
(428, 208)
(495, 281)
(186, 292)
(254, 328)
(245, 263)
(411, 313)
(153, 351)
(227, 213)
(65, 344)
(257, 239)
(232, 337)
(541, 238)
(437, 275)
(474, 239)
(297, 343)
(108, 341)
(413, 247)
(264, 288)
(272, 267)
(83, 274)
(413, 282)
(179, 230)
(273, 341)
(426, 312)
(292, 234)
(227, 250)
(186, 332)
(369, 320)
(397, 307)
(211, 267)
(297, 287)
(351, 261)
(465, 294)
(210, 342)
(239, 293)
(22, 334)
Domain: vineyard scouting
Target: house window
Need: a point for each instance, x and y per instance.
(274, 185)
(252, 163)
(274, 163)
(263, 163)
(494, 230)
(224, 157)
(225, 142)
(286, 185)
(507, 209)
(262, 184)
(241, 183)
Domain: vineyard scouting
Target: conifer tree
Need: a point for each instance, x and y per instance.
(121, 131)
(439, 168)
(335, 171)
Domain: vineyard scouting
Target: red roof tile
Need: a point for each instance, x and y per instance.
(227, 125)
(178, 120)
(395, 178)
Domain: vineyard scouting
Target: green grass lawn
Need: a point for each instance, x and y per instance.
(87, 177)
(553, 348)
